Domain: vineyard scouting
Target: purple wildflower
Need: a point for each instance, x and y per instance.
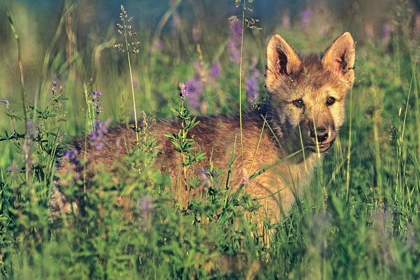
(176, 20)
(234, 43)
(236, 29)
(71, 155)
(252, 89)
(13, 168)
(325, 29)
(27, 154)
(417, 23)
(194, 88)
(252, 83)
(183, 92)
(53, 87)
(96, 95)
(159, 45)
(196, 34)
(215, 70)
(305, 18)
(386, 31)
(5, 101)
(156, 47)
(206, 176)
(145, 207)
(96, 101)
(370, 33)
(98, 134)
(33, 129)
(416, 27)
(145, 204)
(286, 21)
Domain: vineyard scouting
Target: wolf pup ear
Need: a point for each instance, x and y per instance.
(281, 59)
(339, 57)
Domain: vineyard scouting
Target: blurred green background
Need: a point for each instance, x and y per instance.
(70, 41)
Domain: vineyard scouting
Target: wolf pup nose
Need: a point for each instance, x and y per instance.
(281, 141)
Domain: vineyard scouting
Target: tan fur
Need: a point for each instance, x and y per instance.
(301, 119)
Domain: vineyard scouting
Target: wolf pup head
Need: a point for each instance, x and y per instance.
(307, 93)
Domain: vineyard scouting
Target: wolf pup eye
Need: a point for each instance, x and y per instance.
(330, 101)
(298, 103)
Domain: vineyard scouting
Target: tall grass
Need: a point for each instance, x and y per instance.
(357, 219)
(129, 46)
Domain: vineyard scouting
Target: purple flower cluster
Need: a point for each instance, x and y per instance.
(206, 177)
(387, 30)
(325, 29)
(71, 156)
(215, 70)
(369, 30)
(194, 88)
(196, 34)
(286, 21)
(416, 27)
(305, 18)
(32, 129)
(234, 42)
(252, 85)
(157, 46)
(27, 154)
(13, 168)
(100, 129)
(183, 92)
(145, 204)
(53, 87)
(96, 100)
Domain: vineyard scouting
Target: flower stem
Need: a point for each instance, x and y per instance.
(240, 77)
(131, 79)
(22, 82)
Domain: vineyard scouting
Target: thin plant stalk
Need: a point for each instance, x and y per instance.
(53, 41)
(89, 127)
(162, 24)
(257, 148)
(240, 77)
(302, 145)
(23, 94)
(376, 123)
(349, 149)
(129, 46)
(416, 87)
(131, 79)
(22, 80)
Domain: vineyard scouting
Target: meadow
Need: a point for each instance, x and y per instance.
(358, 219)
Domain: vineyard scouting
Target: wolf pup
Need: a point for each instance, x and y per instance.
(285, 137)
